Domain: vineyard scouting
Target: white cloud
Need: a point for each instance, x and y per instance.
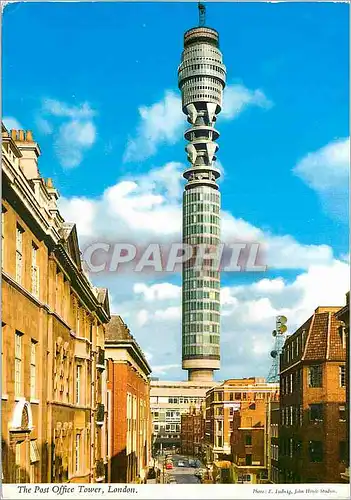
(159, 123)
(164, 121)
(12, 123)
(327, 172)
(158, 291)
(237, 98)
(163, 369)
(73, 128)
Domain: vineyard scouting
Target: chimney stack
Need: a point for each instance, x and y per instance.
(30, 152)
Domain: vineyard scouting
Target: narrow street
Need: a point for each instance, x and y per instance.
(183, 474)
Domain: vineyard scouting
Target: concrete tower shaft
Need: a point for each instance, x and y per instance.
(201, 79)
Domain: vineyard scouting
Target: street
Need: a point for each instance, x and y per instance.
(182, 475)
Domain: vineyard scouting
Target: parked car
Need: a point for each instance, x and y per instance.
(181, 464)
(169, 465)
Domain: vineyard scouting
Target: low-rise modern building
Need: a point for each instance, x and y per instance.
(128, 395)
(53, 329)
(312, 435)
(221, 403)
(168, 401)
(193, 432)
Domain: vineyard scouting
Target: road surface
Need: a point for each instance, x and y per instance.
(182, 475)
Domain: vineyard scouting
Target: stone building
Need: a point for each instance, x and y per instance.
(53, 322)
(312, 435)
(221, 403)
(128, 394)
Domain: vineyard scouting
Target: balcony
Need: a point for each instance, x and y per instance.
(100, 360)
(100, 414)
(100, 470)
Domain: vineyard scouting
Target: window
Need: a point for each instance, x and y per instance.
(77, 464)
(231, 397)
(33, 347)
(342, 376)
(35, 271)
(342, 413)
(18, 463)
(342, 333)
(248, 439)
(343, 451)
(315, 449)
(78, 381)
(19, 249)
(315, 376)
(18, 364)
(316, 413)
(248, 460)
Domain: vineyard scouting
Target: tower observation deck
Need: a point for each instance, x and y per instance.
(201, 79)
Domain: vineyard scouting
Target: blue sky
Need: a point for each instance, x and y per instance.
(91, 78)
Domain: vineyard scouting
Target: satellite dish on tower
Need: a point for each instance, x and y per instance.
(274, 333)
(274, 354)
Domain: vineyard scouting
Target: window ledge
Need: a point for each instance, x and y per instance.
(5, 397)
(34, 401)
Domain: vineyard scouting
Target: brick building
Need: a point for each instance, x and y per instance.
(272, 440)
(248, 441)
(344, 316)
(221, 403)
(52, 333)
(129, 434)
(312, 434)
(192, 432)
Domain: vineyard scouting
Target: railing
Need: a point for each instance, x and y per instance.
(100, 414)
(100, 361)
(100, 469)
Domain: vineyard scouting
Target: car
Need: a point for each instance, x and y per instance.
(169, 466)
(181, 464)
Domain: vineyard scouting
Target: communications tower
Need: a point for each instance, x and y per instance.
(280, 336)
(201, 80)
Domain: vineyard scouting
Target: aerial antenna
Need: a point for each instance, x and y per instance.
(202, 14)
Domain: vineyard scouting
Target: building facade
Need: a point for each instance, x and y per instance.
(272, 440)
(201, 79)
(169, 401)
(312, 433)
(193, 431)
(344, 316)
(221, 404)
(53, 328)
(248, 442)
(128, 395)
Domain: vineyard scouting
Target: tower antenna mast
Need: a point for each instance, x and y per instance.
(202, 14)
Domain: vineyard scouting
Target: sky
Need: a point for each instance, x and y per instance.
(97, 85)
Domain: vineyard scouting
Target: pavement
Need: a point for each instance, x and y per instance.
(182, 475)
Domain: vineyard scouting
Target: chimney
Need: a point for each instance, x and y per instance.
(30, 152)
